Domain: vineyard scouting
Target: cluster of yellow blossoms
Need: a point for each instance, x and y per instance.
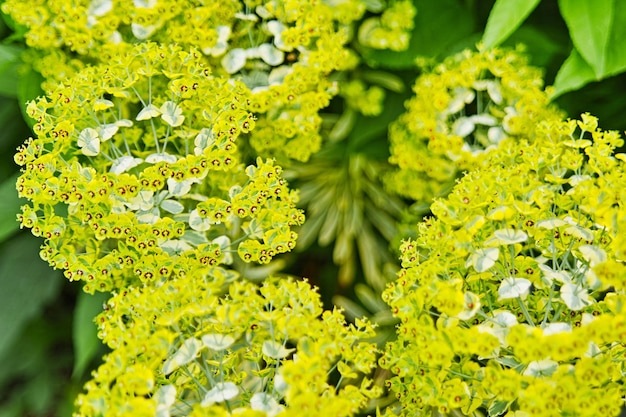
(284, 52)
(149, 178)
(512, 297)
(136, 175)
(461, 110)
(136, 182)
(185, 348)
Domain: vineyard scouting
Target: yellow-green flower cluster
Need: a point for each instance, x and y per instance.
(283, 52)
(367, 100)
(183, 348)
(135, 173)
(512, 297)
(461, 110)
(391, 29)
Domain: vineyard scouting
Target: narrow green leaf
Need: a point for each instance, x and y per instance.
(344, 247)
(590, 24)
(84, 330)
(328, 231)
(351, 309)
(9, 208)
(573, 74)
(382, 221)
(505, 17)
(343, 125)
(27, 284)
(369, 253)
(372, 301)
(385, 79)
(310, 230)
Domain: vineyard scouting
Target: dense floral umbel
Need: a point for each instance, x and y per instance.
(512, 297)
(462, 109)
(269, 348)
(135, 174)
(283, 52)
(390, 29)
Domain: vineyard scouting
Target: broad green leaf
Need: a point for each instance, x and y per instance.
(9, 54)
(9, 208)
(539, 45)
(9, 62)
(573, 74)
(38, 395)
(84, 330)
(30, 370)
(26, 283)
(18, 30)
(576, 71)
(505, 17)
(13, 133)
(438, 26)
(615, 51)
(29, 88)
(590, 24)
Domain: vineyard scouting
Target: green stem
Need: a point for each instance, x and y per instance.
(525, 311)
